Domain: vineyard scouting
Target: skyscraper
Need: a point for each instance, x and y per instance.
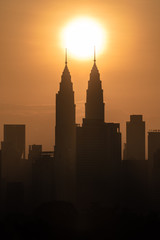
(153, 146)
(65, 138)
(13, 152)
(94, 107)
(135, 138)
(154, 167)
(12, 168)
(98, 147)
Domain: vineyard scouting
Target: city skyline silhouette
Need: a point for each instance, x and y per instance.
(85, 173)
(79, 119)
(128, 65)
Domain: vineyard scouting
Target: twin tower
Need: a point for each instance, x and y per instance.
(84, 155)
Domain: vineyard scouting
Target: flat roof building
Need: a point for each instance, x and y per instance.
(135, 138)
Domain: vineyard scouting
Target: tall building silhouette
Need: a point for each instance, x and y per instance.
(135, 138)
(13, 152)
(98, 147)
(65, 138)
(12, 168)
(94, 107)
(154, 167)
(153, 146)
(134, 172)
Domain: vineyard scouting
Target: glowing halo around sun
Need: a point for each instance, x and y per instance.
(81, 35)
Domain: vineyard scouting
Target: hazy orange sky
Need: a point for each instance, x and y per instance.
(32, 60)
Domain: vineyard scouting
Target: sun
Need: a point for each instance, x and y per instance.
(81, 35)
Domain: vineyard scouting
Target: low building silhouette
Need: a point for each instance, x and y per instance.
(42, 175)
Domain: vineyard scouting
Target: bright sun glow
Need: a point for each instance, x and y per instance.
(81, 35)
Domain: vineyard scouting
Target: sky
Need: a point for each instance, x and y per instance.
(32, 61)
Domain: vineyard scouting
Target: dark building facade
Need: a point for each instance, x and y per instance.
(98, 149)
(154, 168)
(65, 139)
(12, 167)
(134, 184)
(42, 163)
(13, 152)
(134, 167)
(135, 138)
(153, 146)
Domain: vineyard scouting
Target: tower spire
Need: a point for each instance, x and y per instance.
(94, 107)
(66, 56)
(66, 76)
(94, 54)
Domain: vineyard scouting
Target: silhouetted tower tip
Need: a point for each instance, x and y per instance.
(94, 107)
(94, 54)
(66, 72)
(66, 60)
(95, 75)
(66, 76)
